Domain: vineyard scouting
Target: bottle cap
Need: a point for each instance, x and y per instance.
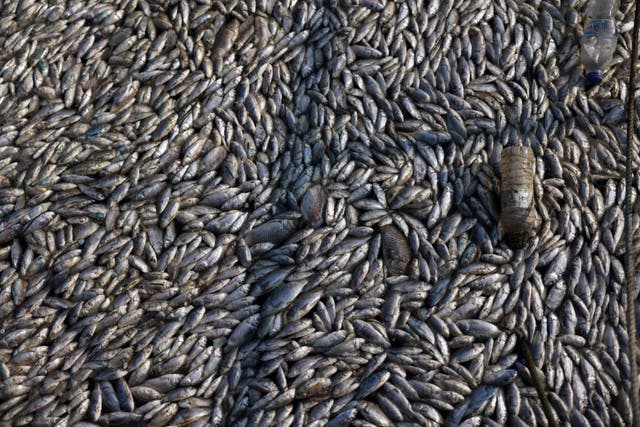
(593, 78)
(517, 240)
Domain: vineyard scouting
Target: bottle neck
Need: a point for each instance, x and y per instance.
(602, 9)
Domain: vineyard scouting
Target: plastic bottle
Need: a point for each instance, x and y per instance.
(598, 39)
(517, 213)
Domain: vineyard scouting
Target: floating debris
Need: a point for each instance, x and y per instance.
(313, 204)
(395, 250)
(518, 213)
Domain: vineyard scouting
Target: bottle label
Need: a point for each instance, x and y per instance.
(596, 27)
(519, 199)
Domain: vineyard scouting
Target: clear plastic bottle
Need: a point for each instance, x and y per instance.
(599, 39)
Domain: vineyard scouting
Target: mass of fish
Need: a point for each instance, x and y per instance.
(286, 213)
